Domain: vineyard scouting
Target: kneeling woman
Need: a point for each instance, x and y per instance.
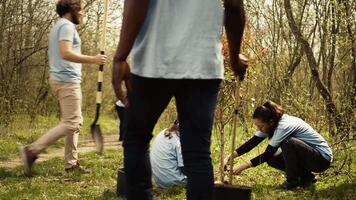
(294, 146)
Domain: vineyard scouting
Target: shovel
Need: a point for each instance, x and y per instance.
(95, 128)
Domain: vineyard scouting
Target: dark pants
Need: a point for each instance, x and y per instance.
(195, 101)
(298, 160)
(121, 113)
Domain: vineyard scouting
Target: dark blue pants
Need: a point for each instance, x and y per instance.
(195, 101)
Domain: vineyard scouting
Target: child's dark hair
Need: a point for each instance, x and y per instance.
(67, 6)
(267, 113)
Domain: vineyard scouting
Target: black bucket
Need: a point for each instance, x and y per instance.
(121, 188)
(229, 192)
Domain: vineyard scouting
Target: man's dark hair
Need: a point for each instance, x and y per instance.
(67, 6)
(267, 113)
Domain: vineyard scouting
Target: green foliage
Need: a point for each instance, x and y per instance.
(278, 70)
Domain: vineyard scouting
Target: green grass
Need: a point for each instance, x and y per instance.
(49, 181)
(266, 181)
(23, 131)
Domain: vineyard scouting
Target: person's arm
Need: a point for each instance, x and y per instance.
(65, 48)
(244, 148)
(234, 26)
(133, 18)
(238, 169)
(249, 145)
(270, 150)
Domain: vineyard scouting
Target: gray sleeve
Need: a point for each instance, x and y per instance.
(66, 33)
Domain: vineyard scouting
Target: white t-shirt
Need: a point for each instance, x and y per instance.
(180, 39)
(166, 160)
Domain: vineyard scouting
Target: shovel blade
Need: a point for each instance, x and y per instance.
(98, 138)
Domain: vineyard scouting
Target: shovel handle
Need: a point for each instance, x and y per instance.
(234, 126)
(99, 94)
(103, 36)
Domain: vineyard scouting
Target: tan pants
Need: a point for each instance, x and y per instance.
(70, 100)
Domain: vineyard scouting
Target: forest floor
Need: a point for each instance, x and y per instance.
(85, 145)
(49, 181)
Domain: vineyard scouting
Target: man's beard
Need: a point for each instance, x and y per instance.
(75, 18)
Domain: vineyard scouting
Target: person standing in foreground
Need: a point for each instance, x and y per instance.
(65, 60)
(294, 146)
(176, 51)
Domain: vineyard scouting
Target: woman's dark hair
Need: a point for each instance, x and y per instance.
(267, 113)
(67, 6)
(169, 131)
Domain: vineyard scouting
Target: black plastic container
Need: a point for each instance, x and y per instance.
(229, 192)
(121, 188)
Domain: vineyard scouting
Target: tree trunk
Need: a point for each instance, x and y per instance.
(349, 21)
(324, 92)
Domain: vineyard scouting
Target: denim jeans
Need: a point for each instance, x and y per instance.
(298, 160)
(195, 101)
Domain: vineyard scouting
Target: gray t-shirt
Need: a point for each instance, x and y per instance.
(166, 160)
(60, 69)
(180, 39)
(296, 127)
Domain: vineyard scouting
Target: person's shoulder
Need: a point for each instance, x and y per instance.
(288, 118)
(62, 22)
(161, 134)
(288, 121)
(285, 121)
(159, 139)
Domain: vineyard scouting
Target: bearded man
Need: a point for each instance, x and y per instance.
(65, 60)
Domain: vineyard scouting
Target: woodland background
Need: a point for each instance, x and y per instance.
(302, 55)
